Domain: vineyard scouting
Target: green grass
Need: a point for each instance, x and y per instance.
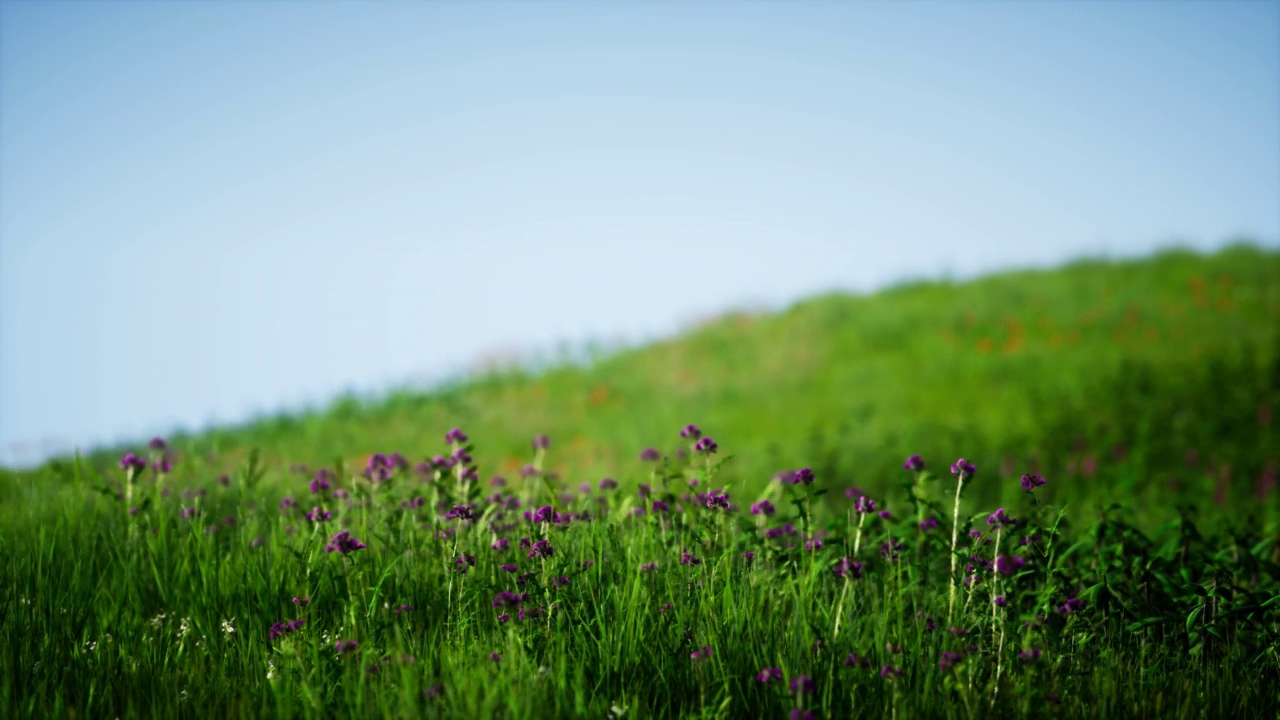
(1141, 389)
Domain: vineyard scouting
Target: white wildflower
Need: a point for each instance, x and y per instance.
(617, 712)
(158, 620)
(184, 627)
(227, 627)
(271, 671)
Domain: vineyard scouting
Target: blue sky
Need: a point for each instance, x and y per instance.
(211, 210)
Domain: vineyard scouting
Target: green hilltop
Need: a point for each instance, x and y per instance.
(1145, 374)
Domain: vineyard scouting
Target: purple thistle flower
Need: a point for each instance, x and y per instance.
(318, 514)
(649, 455)
(345, 646)
(865, 505)
(949, 660)
(465, 561)
(543, 514)
(509, 567)
(848, 568)
(541, 548)
(702, 654)
(1029, 655)
(689, 559)
(508, 599)
(501, 545)
(460, 512)
(958, 632)
(541, 442)
(802, 684)
(1032, 481)
(497, 481)
(187, 513)
(768, 675)
(608, 484)
(495, 657)
(503, 617)
(706, 446)
(1071, 605)
(404, 609)
(690, 432)
(344, 543)
(320, 482)
(884, 514)
(649, 567)
(132, 463)
(157, 443)
(854, 661)
(302, 601)
(528, 471)
(455, 436)
(813, 544)
(915, 463)
(460, 455)
(749, 555)
(1009, 564)
(718, 499)
(764, 507)
(1000, 601)
(928, 524)
(1001, 519)
(660, 506)
(803, 475)
(891, 671)
(163, 466)
(964, 468)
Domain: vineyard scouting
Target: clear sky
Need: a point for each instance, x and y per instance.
(215, 209)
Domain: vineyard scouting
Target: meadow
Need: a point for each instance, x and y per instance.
(1041, 493)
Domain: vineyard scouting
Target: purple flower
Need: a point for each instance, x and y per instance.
(280, 629)
(706, 446)
(507, 599)
(890, 671)
(1009, 564)
(1001, 519)
(465, 561)
(865, 505)
(801, 714)
(1032, 481)
(848, 568)
(378, 468)
(320, 482)
(964, 468)
(459, 512)
(702, 654)
(1029, 655)
(1000, 601)
(608, 484)
(764, 507)
(509, 567)
(690, 432)
(455, 436)
(132, 463)
(854, 661)
(496, 657)
(302, 601)
(660, 506)
(718, 499)
(187, 513)
(501, 544)
(689, 559)
(541, 442)
(928, 524)
(543, 514)
(649, 455)
(802, 684)
(1071, 605)
(813, 544)
(318, 514)
(649, 567)
(803, 475)
(345, 646)
(163, 466)
(157, 443)
(541, 548)
(915, 463)
(497, 481)
(885, 514)
(949, 659)
(404, 609)
(344, 543)
(768, 675)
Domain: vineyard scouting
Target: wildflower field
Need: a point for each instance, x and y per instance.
(1041, 494)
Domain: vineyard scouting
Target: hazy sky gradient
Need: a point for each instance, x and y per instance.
(209, 210)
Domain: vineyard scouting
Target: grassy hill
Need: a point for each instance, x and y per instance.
(1157, 369)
